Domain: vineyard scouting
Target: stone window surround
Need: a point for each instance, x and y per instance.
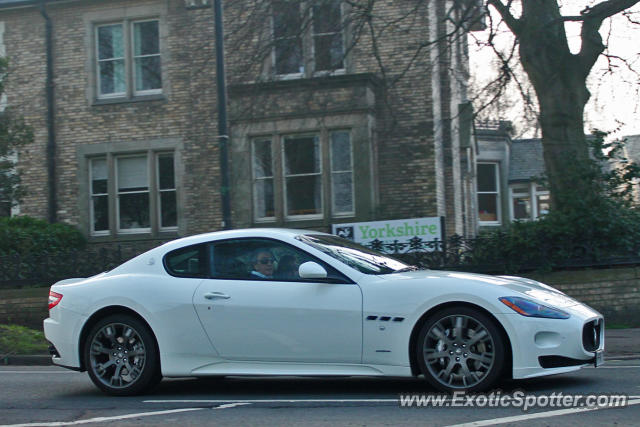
(124, 15)
(326, 171)
(308, 54)
(361, 127)
(109, 150)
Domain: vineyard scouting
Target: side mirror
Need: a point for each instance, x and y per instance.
(312, 270)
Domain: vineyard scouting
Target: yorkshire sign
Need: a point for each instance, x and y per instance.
(400, 235)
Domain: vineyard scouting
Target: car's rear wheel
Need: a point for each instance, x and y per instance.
(460, 348)
(121, 357)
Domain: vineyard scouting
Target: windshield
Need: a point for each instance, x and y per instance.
(354, 255)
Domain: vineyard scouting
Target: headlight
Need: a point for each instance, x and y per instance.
(530, 308)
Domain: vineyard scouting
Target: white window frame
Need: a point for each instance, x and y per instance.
(497, 193)
(93, 231)
(534, 199)
(533, 193)
(352, 212)
(337, 71)
(159, 190)
(129, 59)
(254, 178)
(307, 36)
(139, 230)
(319, 173)
(512, 196)
(133, 59)
(96, 42)
(274, 64)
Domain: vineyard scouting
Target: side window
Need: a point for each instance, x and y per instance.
(187, 262)
(263, 259)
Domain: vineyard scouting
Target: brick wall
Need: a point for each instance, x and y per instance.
(27, 307)
(614, 292)
(187, 113)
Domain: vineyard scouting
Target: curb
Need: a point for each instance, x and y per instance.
(625, 356)
(26, 360)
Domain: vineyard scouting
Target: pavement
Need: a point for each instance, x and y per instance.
(619, 344)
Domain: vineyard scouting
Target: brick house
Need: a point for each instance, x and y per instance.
(327, 123)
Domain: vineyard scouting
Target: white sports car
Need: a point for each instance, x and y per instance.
(291, 302)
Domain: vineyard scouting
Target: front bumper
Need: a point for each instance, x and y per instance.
(552, 346)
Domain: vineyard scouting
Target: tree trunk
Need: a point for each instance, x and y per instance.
(566, 153)
(559, 79)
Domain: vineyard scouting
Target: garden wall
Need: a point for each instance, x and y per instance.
(614, 292)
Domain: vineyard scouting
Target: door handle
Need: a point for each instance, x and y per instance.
(216, 295)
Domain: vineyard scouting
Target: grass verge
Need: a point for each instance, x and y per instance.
(15, 339)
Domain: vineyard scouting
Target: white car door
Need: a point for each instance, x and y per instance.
(277, 319)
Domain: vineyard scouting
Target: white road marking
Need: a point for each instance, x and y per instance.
(231, 405)
(103, 419)
(248, 401)
(547, 414)
(121, 417)
(613, 367)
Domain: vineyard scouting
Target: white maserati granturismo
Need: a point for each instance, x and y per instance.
(291, 302)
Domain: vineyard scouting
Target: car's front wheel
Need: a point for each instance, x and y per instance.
(460, 348)
(121, 357)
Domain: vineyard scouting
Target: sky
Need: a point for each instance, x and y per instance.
(614, 105)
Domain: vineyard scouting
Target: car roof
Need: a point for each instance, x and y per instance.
(286, 233)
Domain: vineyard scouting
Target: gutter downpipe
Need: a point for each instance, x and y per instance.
(51, 132)
(223, 132)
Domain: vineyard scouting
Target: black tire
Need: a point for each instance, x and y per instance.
(120, 356)
(472, 361)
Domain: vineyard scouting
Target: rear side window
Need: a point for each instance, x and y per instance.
(187, 262)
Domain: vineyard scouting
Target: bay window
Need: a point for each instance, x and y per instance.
(302, 175)
(529, 201)
(290, 176)
(341, 174)
(263, 179)
(520, 202)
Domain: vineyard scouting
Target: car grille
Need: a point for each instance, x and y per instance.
(591, 335)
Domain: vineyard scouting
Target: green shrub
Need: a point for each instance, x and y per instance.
(26, 236)
(15, 339)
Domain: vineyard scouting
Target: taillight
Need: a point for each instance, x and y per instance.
(54, 299)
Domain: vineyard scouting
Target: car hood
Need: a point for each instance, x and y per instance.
(512, 286)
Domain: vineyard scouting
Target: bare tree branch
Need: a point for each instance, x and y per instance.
(512, 22)
(593, 17)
